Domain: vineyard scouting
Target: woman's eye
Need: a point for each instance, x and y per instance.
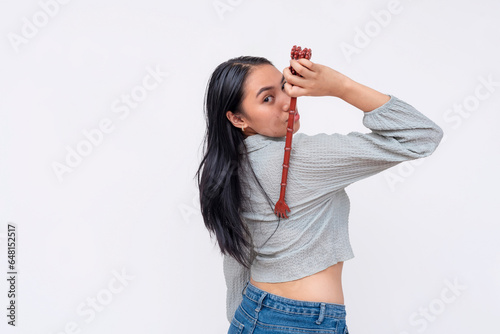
(267, 98)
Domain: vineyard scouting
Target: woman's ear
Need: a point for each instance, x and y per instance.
(237, 121)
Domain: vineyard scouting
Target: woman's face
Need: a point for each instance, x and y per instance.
(265, 103)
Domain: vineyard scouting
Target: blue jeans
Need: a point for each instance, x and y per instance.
(261, 312)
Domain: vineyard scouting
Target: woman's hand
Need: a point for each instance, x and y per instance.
(321, 80)
(316, 80)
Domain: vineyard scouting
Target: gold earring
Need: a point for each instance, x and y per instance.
(242, 129)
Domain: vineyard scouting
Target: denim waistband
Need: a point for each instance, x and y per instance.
(265, 298)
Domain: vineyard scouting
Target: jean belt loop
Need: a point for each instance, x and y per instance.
(321, 314)
(261, 298)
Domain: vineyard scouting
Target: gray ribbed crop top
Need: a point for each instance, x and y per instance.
(315, 235)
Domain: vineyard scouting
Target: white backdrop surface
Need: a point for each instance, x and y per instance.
(101, 129)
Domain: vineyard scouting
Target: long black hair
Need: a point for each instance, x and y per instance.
(221, 197)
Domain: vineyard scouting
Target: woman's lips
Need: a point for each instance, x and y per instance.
(296, 117)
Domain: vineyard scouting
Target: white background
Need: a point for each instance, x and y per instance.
(130, 203)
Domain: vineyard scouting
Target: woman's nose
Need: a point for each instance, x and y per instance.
(286, 102)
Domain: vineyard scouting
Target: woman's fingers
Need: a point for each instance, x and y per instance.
(304, 83)
(302, 66)
(314, 80)
(295, 80)
(294, 84)
(294, 91)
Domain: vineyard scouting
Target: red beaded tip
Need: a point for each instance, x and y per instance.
(298, 53)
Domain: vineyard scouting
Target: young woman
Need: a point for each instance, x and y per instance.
(284, 275)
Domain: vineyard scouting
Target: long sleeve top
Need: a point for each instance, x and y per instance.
(315, 235)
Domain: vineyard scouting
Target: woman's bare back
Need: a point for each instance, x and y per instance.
(324, 286)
